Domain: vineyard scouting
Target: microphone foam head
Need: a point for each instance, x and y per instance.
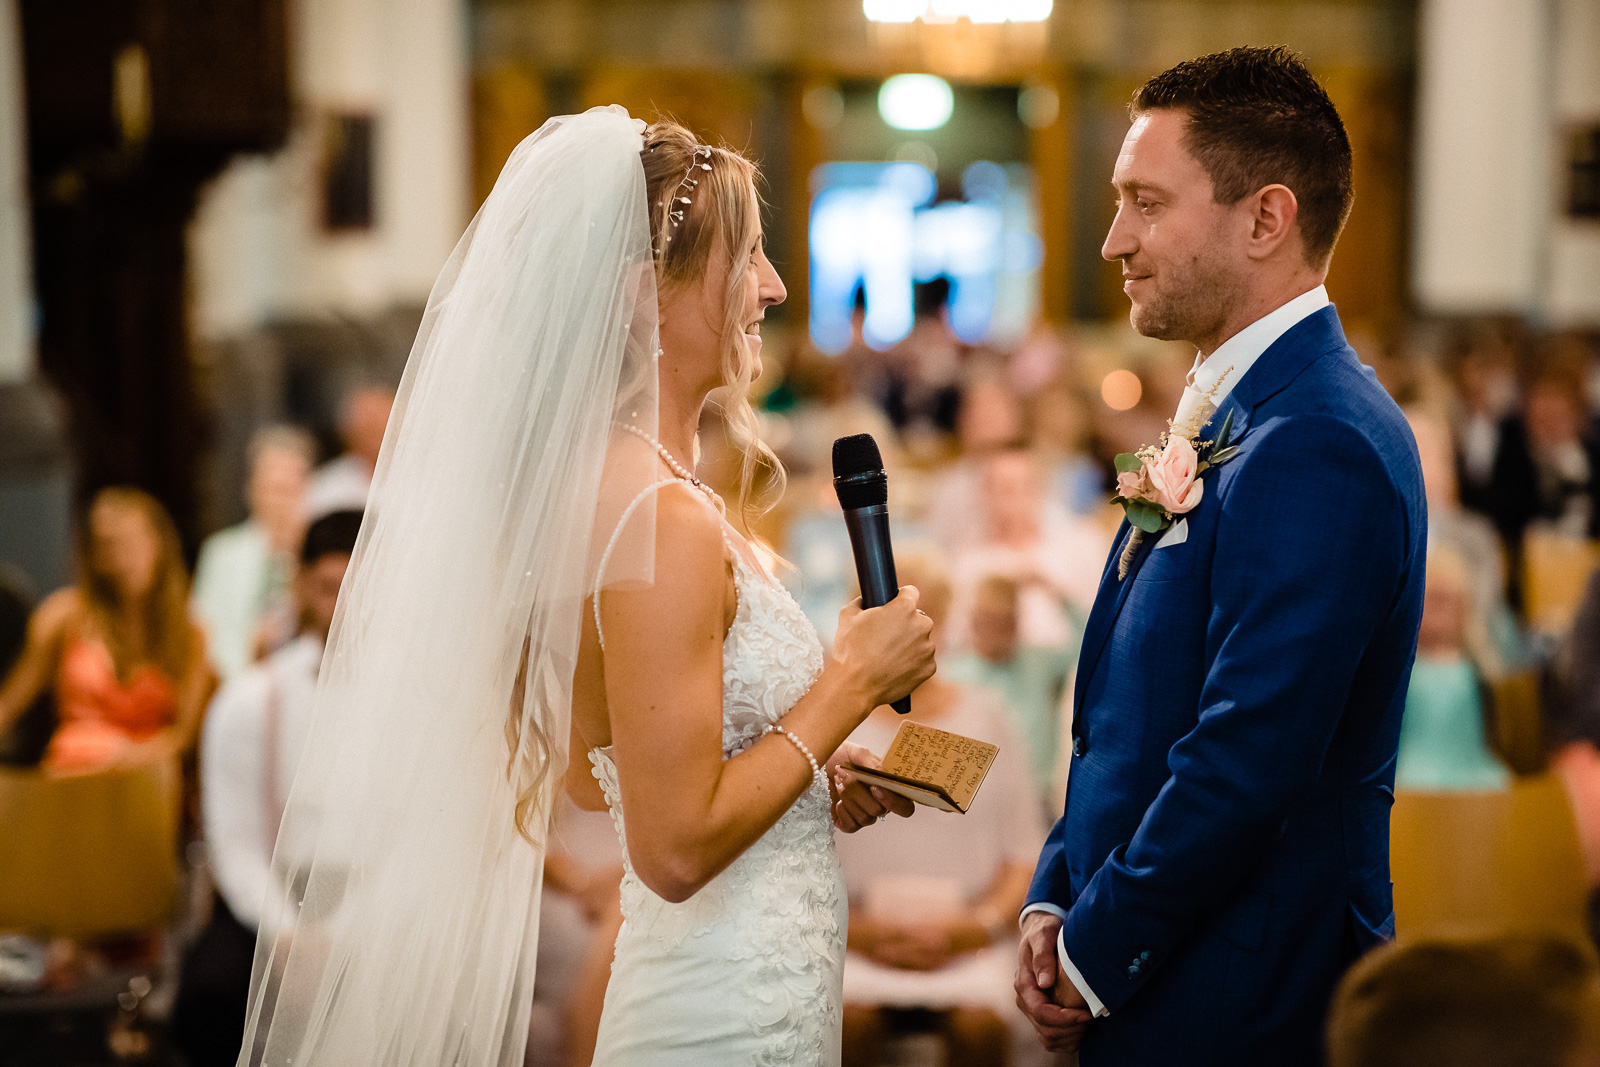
(858, 475)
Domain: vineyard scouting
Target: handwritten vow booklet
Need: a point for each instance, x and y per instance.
(933, 767)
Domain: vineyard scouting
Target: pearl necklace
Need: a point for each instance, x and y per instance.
(667, 458)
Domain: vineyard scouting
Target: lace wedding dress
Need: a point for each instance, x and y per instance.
(749, 969)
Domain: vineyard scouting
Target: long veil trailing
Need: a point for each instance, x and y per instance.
(404, 929)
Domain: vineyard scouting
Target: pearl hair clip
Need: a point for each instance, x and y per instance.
(675, 214)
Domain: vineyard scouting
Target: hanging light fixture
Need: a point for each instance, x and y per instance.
(950, 10)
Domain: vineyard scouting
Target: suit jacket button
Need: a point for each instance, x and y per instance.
(1144, 957)
(1077, 746)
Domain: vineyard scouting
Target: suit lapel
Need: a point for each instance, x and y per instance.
(1313, 336)
(1114, 591)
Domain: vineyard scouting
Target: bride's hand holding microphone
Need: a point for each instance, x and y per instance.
(887, 652)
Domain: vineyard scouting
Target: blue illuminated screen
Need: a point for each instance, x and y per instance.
(878, 226)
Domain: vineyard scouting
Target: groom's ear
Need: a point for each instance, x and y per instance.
(1273, 212)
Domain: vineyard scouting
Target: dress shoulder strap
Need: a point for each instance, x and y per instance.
(627, 513)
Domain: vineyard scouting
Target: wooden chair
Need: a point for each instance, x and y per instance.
(1516, 727)
(1482, 863)
(1555, 574)
(88, 856)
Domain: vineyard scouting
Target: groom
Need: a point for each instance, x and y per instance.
(1224, 852)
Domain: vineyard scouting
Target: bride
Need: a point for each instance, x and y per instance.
(537, 540)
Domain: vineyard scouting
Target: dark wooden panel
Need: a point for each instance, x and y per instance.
(111, 207)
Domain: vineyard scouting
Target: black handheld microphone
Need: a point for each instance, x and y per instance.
(863, 490)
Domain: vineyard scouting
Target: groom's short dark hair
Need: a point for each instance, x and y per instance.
(1256, 118)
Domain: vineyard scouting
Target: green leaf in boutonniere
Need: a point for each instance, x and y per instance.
(1226, 431)
(1127, 462)
(1146, 516)
(1216, 453)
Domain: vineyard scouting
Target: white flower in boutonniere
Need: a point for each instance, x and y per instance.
(1160, 482)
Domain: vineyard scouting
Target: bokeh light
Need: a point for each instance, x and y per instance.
(916, 101)
(1121, 390)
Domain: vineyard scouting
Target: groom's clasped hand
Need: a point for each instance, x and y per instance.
(1052, 1004)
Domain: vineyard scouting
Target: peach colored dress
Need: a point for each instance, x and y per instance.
(101, 714)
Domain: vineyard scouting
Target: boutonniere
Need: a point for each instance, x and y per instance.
(1160, 482)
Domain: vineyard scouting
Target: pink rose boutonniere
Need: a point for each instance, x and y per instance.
(1158, 483)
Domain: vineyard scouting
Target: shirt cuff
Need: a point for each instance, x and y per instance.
(1049, 909)
(1097, 1007)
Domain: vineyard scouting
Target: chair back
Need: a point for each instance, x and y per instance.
(90, 855)
(1517, 728)
(1555, 574)
(1488, 862)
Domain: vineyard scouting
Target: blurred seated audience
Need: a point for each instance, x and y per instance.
(1031, 679)
(1512, 1001)
(1055, 558)
(254, 734)
(828, 406)
(989, 421)
(1060, 439)
(1443, 740)
(126, 662)
(1491, 628)
(1547, 469)
(922, 385)
(934, 899)
(342, 483)
(1483, 366)
(241, 582)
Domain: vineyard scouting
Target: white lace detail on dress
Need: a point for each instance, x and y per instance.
(782, 901)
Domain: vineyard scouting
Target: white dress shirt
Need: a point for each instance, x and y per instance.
(1210, 380)
(255, 732)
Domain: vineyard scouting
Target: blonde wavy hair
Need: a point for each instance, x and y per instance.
(721, 220)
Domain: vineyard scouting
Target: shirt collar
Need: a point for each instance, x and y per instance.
(1234, 357)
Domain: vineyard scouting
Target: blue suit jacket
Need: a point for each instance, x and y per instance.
(1224, 852)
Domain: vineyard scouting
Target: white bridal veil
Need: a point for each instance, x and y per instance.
(405, 928)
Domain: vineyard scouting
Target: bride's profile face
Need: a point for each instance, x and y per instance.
(695, 316)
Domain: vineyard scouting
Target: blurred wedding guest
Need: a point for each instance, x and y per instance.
(1491, 628)
(580, 914)
(829, 405)
(1443, 743)
(254, 734)
(1547, 470)
(1521, 1000)
(989, 421)
(1061, 441)
(1572, 726)
(126, 662)
(1485, 383)
(342, 483)
(241, 583)
(1032, 679)
(22, 744)
(923, 389)
(934, 899)
(1054, 558)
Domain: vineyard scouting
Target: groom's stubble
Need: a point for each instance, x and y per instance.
(1195, 295)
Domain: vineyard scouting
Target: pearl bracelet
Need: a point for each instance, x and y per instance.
(816, 769)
